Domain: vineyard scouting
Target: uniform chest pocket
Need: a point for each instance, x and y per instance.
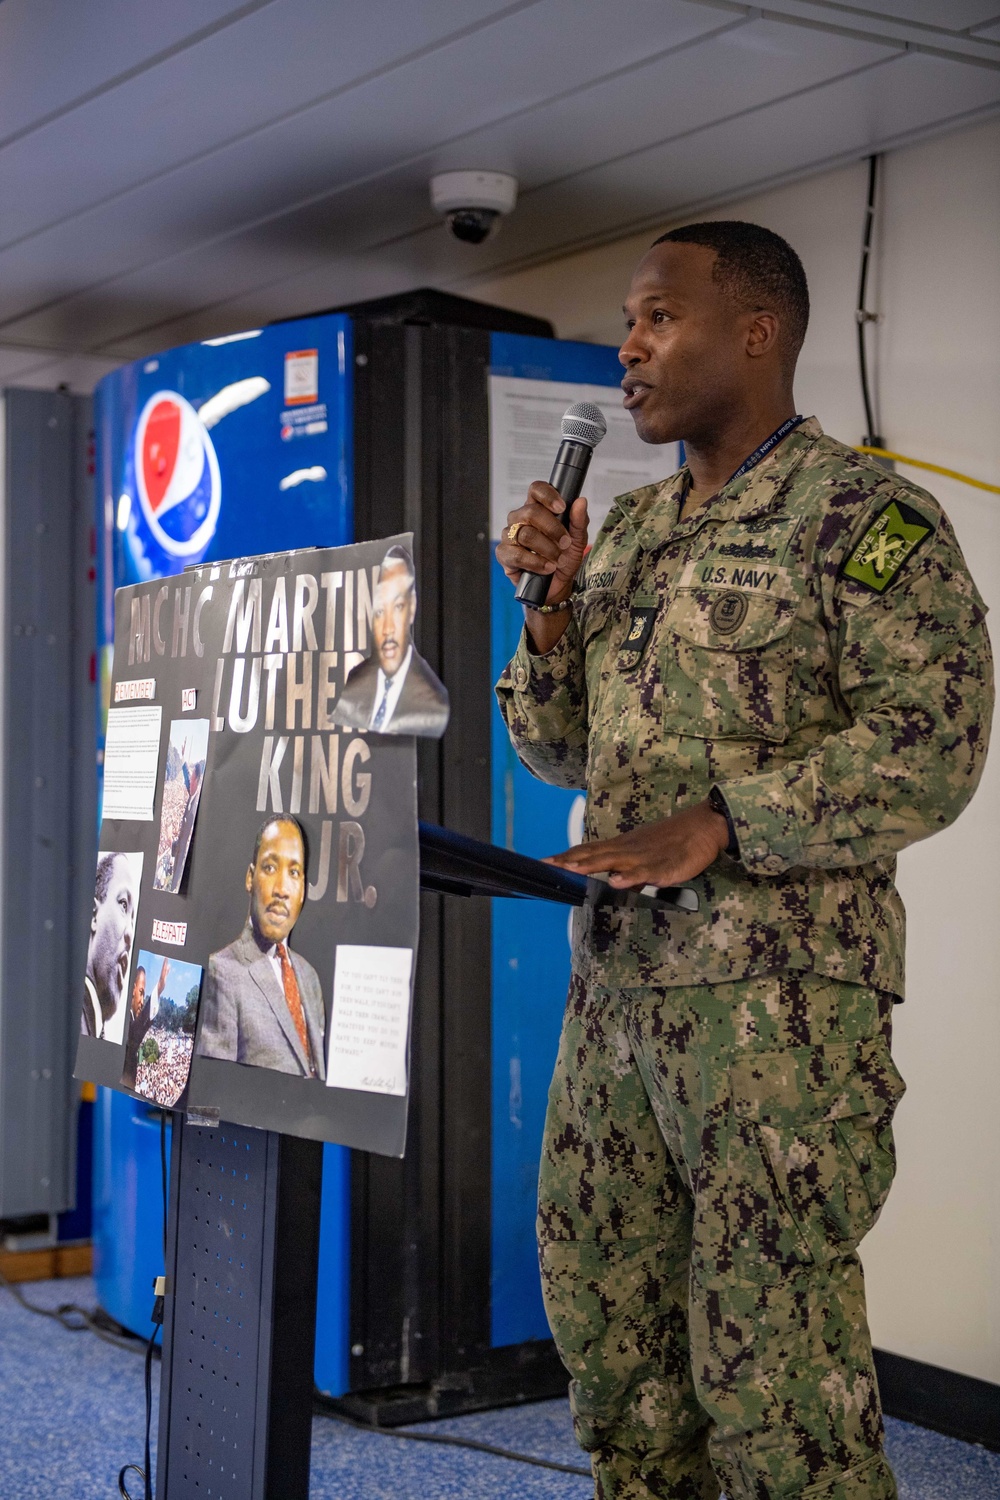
(592, 610)
(727, 668)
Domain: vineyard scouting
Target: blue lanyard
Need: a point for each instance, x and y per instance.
(764, 449)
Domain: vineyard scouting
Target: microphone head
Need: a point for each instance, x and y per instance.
(584, 423)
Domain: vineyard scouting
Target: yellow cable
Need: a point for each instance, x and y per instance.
(918, 463)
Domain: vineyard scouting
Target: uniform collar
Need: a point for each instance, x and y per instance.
(653, 510)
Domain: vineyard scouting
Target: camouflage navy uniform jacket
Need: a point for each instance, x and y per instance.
(811, 641)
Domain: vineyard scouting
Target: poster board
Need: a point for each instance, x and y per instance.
(268, 829)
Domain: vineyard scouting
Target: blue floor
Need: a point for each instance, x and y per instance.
(71, 1413)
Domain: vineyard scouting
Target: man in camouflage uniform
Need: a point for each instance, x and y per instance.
(769, 682)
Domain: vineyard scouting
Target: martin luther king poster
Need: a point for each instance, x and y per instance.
(296, 890)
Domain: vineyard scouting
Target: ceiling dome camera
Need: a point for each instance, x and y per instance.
(473, 202)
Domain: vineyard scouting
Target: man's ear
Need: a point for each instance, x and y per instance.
(249, 879)
(762, 334)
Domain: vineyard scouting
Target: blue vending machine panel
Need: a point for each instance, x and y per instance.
(531, 954)
(227, 448)
(127, 1207)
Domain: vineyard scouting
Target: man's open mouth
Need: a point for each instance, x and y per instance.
(634, 390)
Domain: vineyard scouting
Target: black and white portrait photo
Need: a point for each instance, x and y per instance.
(109, 950)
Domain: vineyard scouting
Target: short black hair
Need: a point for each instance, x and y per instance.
(269, 823)
(756, 267)
(105, 869)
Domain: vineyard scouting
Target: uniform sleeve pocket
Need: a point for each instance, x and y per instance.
(811, 1152)
(729, 666)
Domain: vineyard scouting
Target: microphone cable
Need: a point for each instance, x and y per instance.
(159, 1287)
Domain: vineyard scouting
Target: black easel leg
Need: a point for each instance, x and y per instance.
(239, 1332)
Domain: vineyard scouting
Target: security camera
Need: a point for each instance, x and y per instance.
(472, 202)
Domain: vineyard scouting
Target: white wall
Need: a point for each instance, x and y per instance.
(931, 1263)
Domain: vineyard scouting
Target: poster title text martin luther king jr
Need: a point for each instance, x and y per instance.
(288, 645)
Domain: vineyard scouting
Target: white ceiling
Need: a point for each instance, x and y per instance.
(173, 171)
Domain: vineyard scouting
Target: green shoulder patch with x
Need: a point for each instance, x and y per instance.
(889, 542)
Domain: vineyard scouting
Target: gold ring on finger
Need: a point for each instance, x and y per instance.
(512, 531)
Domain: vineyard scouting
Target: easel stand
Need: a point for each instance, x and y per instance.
(236, 1380)
(236, 1383)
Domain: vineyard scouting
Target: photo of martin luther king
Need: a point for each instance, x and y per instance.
(394, 691)
(263, 1004)
(109, 950)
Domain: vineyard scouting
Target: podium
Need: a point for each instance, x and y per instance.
(239, 1328)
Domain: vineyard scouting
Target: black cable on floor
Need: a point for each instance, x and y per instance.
(320, 1404)
(77, 1319)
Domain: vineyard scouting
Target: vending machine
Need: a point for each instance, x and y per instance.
(425, 413)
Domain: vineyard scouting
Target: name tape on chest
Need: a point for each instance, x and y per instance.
(889, 542)
(605, 578)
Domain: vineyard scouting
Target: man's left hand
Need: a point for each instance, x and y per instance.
(664, 853)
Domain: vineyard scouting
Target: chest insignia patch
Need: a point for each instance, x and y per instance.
(728, 613)
(889, 542)
(640, 628)
(750, 551)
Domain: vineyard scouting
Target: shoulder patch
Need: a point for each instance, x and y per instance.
(889, 542)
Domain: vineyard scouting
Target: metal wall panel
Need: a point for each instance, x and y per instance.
(47, 798)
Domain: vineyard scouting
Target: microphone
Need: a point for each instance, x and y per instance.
(583, 426)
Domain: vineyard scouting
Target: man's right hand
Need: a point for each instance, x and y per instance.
(544, 545)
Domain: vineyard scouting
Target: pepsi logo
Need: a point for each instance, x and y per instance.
(176, 475)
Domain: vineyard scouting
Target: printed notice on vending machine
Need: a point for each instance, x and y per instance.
(256, 907)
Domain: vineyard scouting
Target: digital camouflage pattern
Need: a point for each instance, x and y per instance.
(713, 1155)
(718, 1137)
(810, 640)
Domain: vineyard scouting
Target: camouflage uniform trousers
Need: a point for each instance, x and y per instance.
(713, 1155)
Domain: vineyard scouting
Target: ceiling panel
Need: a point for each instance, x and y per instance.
(52, 53)
(354, 136)
(950, 15)
(723, 161)
(825, 125)
(277, 160)
(741, 69)
(188, 108)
